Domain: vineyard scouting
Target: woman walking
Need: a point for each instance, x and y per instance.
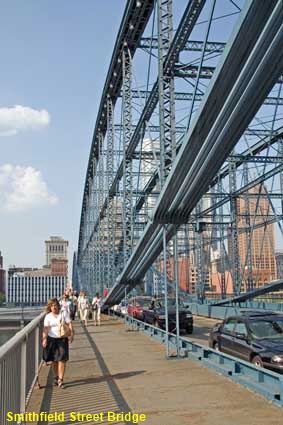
(96, 307)
(83, 304)
(65, 304)
(57, 332)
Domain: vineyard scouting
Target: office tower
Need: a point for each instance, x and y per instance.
(57, 248)
(57, 255)
(279, 264)
(262, 242)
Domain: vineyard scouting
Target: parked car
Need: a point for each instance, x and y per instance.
(137, 306)
(155, 315)
(256, 337)
(122, 308)
(115, 308)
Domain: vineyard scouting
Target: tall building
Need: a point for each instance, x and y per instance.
(56, 248)
(262, 240)
(2, 275)
(279, 264)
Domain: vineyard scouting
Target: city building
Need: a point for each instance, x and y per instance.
(33, 286)
(279, 264)
(34, 290)
(56, 248)
(262, 242)
(218, 279)
(59, 267)
(2, 275)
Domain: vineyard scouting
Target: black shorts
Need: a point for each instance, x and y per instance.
(56, 350)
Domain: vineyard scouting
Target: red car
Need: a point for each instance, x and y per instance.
(137, 305)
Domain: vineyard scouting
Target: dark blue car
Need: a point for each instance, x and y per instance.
(155, 315)
(255, 337)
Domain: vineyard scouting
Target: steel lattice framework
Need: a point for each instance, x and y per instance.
(186, 160)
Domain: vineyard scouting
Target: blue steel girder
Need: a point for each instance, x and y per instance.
(110, 210)
(248, 155)
(226, 109)
(127, 164)
(191, 71)
(234, 230)
(182, 34)
(143, 94)
(240, 84)
(134, 21)
(190, 45)
(165, 90)
(101, 182)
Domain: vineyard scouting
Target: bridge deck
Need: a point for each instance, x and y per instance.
(111, 369)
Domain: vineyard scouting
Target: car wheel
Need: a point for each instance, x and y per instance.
(216, 346)
(256, 360)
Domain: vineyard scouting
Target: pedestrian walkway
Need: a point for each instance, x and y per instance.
(115, 369)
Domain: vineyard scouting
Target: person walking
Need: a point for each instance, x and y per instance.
(83, 304)
(57, 333)
(96, 307)
(65, 304)
(73, 305)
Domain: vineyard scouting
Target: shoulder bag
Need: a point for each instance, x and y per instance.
(64, 330)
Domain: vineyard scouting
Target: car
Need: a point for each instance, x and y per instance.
(122, 308)
(155, 315)
(115, 308)
(256, 337)
(137, 306)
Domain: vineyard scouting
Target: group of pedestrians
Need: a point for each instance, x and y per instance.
(85, 308)
(58, 330)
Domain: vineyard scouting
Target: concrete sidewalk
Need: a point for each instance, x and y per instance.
(119, 370)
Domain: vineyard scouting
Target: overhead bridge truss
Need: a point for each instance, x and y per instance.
(184, 183)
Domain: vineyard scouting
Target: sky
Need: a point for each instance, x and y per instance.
(54, 60)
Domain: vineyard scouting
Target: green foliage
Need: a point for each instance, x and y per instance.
(2, 298)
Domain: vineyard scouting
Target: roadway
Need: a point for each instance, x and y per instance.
(116, 369)
(202, 327)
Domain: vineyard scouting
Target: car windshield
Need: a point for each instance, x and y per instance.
(141, 302)
(160, 303)
(267, 329)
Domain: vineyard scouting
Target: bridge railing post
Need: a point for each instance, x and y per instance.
(36, 354)
(23, 375)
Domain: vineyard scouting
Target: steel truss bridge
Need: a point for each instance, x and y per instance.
(186, 160)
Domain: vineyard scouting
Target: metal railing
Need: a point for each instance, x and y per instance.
(263, 381)
(20, 358)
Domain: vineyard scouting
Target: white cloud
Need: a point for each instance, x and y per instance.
(21, 118)
(23, 188)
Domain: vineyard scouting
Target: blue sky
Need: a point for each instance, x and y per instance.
(54, 59)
